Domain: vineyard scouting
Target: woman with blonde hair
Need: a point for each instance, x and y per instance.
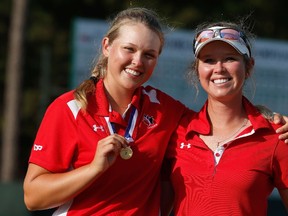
(227, 158)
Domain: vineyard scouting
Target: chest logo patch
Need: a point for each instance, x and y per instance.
(149, 121)
(96, 128)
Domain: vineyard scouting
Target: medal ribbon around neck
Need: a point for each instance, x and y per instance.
(126, 152)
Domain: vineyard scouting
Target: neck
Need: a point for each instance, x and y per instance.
(118, 105)
(119, 100)
(224, 115)
(227, 121)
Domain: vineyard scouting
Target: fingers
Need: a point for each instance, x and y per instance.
(111, 143)
(285, 120)
(284, 137)
(283, 131)
(108, 150)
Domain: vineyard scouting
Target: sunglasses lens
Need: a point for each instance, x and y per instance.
(236, 37)
(230, 34)
(204, 35)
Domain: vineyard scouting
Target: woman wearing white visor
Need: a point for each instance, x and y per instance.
(226, 159)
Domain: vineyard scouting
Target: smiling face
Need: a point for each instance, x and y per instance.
(221, 71)
(132, 56)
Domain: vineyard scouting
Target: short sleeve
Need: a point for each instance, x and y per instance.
(55, 142)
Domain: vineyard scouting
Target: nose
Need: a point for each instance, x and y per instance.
(137, 59)
(218, 67)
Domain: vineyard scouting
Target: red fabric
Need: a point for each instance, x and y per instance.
(129, 187)
(246, 174)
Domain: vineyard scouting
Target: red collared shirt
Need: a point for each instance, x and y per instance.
(67, 138)
(248, 168)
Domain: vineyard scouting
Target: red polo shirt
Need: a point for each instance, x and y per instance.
(67, 138)
(248, 168)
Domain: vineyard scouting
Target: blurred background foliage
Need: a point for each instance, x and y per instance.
(48, 32)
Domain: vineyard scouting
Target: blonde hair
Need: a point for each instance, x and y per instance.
(137, 15)
(193, 75)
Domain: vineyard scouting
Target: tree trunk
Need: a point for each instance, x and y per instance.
(12, 91)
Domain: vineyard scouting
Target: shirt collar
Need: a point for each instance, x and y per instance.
(99, 104)
(200, 123)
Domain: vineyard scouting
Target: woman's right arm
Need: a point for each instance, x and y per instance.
(44, 190)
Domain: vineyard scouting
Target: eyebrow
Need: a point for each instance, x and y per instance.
(146, 50)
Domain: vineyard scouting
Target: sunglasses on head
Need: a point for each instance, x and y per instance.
(220, 32)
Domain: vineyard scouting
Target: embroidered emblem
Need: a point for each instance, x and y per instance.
(149, 121)
(96, 128)
(183, 145)
(152, 96)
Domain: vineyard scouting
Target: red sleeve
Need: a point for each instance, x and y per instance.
(55, 142)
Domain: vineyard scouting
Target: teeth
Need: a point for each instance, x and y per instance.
(219, 81)
(134, 73)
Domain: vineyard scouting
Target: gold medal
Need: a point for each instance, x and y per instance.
(126, 152)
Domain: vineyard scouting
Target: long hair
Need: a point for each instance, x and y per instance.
(132, 15)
